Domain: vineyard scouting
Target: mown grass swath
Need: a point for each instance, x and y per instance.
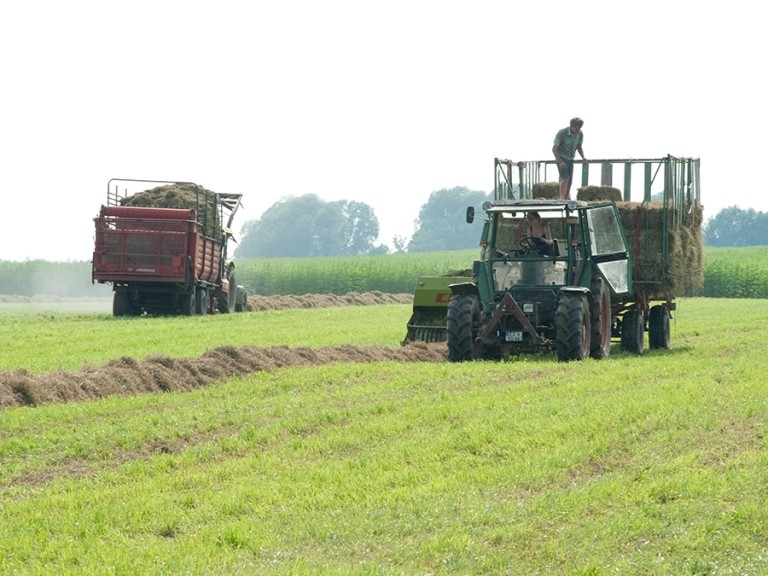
(635, 465)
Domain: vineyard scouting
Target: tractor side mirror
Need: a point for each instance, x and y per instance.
(470, 214)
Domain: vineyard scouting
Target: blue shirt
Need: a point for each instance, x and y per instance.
(567, 143)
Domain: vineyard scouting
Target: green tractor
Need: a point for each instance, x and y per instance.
(526, 297)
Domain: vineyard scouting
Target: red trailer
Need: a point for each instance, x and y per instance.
(166, 260)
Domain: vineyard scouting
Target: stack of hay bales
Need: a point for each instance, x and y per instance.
(507, 235)
(680, 271)
(546, 190)
(595, 193)
(186, 196)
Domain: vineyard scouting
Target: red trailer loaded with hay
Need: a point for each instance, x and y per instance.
(164, 248)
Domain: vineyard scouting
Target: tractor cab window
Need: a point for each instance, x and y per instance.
(508, 230)
(513, 234)
(604, 233)
(609, 251)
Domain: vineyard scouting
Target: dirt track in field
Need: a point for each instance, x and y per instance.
(128, 376)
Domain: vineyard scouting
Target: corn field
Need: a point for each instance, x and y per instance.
(728, 273)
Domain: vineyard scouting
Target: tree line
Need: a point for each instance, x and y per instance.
(307, 226)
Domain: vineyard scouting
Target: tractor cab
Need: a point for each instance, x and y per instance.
(525, 283)
(583, 240)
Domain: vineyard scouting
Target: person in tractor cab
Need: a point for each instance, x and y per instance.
(539, 233)
(567, 142)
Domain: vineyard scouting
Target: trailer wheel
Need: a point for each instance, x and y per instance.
(201, 301)
(188, 304)
(632, 332)
(601, 321)
(232, 294)
(658, 327)
(241, 299)
(120, 304)
(463, 322)
(574, 327)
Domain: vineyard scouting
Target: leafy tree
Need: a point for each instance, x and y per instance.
(441, 224)
(362, 228)
(306, 226)
(734, 226)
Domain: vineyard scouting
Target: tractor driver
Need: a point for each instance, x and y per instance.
(539, 233)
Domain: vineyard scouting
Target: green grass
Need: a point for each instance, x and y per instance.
(634, 465)
(46, 341)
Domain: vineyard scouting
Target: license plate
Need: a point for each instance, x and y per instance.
(514, 336)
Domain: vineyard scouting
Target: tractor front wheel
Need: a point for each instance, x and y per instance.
(574, 327)
(462, 322)
(601, 321)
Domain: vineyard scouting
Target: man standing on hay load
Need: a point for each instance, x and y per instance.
(567, 142)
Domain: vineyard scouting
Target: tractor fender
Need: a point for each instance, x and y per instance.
(577, 290)
(462, 288)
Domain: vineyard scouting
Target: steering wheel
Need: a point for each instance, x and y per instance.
(527, 244)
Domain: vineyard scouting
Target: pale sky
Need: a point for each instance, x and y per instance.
(377, 102)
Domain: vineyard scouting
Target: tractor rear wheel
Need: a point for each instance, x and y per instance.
(658, 327)
(632, 332)
(463, 322)
(601, 321)
(574, 327)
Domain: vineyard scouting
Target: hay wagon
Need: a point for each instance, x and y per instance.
(659, 203)
(164, 249)
(623, 255)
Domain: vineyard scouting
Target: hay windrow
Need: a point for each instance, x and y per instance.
(159, 373)
(261, 303)
(126, 376)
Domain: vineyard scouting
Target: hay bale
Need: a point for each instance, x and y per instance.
(596, 193)
(508, 234)
(185, 196)
(546, 190)
(670, 263)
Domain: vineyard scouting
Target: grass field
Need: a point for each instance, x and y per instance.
(634, 465)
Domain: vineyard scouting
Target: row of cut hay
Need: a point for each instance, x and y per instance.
(186, 196)
(674, 270)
